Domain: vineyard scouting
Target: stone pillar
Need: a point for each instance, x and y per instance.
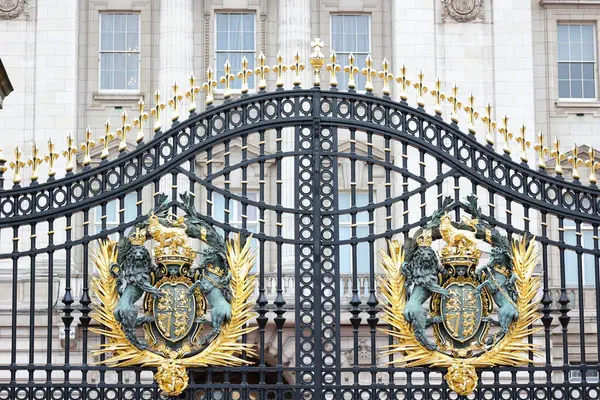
(294, 34)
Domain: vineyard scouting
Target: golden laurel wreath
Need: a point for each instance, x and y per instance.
(511, 350)
(171, 374)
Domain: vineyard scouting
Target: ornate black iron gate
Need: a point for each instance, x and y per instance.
(360, 169)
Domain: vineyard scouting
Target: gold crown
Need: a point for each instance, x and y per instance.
(502, 269)
(174, 255)
(460, 255)
(138, 238)
(425, 238)
(220, 272)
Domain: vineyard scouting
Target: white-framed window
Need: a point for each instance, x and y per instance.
(363, 257)
(576, 61)
(587, 260)
(351, 33)
(112, 213)
(119, 58)
(235, 39)
(591, 376)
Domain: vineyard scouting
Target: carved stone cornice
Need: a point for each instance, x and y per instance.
(10, 9)
(463, 10)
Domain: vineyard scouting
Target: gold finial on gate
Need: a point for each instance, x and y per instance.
(51, 158)
(473, 115)
(490, 125)
(87, 147)
(156, 110)
(404, 83)
(69, 153)
(174, 102)
(104, 141)
(317, 59)
(438, 95)
(506, 134)
(244, 74)
(369, 73)
(351, 70)
(421, 89)
(387, 77)
(279, 69)
(226, 79)
(192, 92)
(558, 156)
(333, 69)
(16, 165)
(524, 143)
(541, 150)
(456, 105)
(262, 71)
(297, 67)
(34, 162)
(592, 164)
(139, 121)
(575, 161)
(209, 86)
(122, 132)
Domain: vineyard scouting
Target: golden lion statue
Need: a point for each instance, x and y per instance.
(168, 236)
(455, 237)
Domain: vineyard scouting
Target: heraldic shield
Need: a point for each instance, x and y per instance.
(193, 314)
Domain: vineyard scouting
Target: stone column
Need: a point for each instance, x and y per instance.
(294, 34)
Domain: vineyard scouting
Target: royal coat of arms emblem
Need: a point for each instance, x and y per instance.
(192, 315)
(447, 311)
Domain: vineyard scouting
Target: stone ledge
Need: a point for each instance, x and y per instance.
(117, 97)
(577, 104)
(570, 2)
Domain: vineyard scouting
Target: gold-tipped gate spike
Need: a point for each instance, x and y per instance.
(524, 143)
(139, 122)
(158, 107)
(592, 164)
(192, 93)
(16, 165)
(262, 71)
(209, 86)
(472, 115)
(333, 69)
(575, 161)
(506, 135)
(317, 59)
(369, 73)
(105, 140)
(351, 69)
(226, 79)
(69, 153)
(279, 69)
(421, 88)
(456, 105)
(404, 83)
(34, 162)
(51, 158)
(122, 132)
(542, 151)
(297, 67)
(386, 76)
(244, 74)
(174, 102)
(87, 147)
(490, 125)
(438, 95)
(558, 156)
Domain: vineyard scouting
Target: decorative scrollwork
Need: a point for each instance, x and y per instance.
(10, 9)
(463, 10)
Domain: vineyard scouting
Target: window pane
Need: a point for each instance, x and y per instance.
(563, 71)
(248, 22)
(362, 24)
(589, 89)
(571, 273)
(563, 52)
(106, 81)
(133, 23)
(345, 255)
(120, 80)
(576, 54)
(350, 42)
(120, 23)
(576, 89)
(564, 91)
(362, 42)
(575, 33)
(349, 24)
(120, 41)
(563, 33)
(248, 41)
(106, 41)
(587, 33)
(338, 42)
(588, 51)
(133, 41)
(222, 37)
(588, 71)
(576, 71)
(222, 22)
(337, 24)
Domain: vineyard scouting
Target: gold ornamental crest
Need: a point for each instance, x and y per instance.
(447, 311)
(192, 315)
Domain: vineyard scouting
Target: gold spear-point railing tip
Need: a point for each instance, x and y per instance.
(404, 83)
(593, 165)
(352, 70)
(51, 158)
(317, 59)
(438, 95)
(122, 132)
(279, 69)
(192, 93)
(209, 86)
(297, 67)
(174, 102)
(155, 112)
(523, 142)
(16, 165)
(387, 77)
(575, 161)
(541, 150)
(34, 162)
(87, 147)
(369, 73)
(558, 156)
(472, 114)
(490, 125)
(506, 135)
(139, 121)
(244, 75)
(262, 71)
(333, 67)
(421, 88)
(105, 140)
(456, 104)
(69, 153)
(226, 79)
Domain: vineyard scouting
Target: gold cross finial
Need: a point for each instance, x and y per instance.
(156, 110)
(261, 71)
(34, 162)
(506, 135)
(51, 158)
(456, 105)
(575, 161)
(16, 165)
(592, 164)
(174, 102)
(122, 132)
(421, 89)
(69, 153)
(297, 67)
(317, 44)
(541, 150)
(244, 74)
(279, 69)
(439, 96)
(192, 92)
(524, 143)
(139, 122)
(558, 156)
(369, 73)
(490, 125)
(104, 141)
(333, 69)
(209, 86)
(386, 76)
(404, 83)
(317, 59)
(472, 114)
(226, 79)
(87, 147)
(351, 70)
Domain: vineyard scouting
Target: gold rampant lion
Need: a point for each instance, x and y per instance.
(174, 236)
(512, 350)
(453, 236)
